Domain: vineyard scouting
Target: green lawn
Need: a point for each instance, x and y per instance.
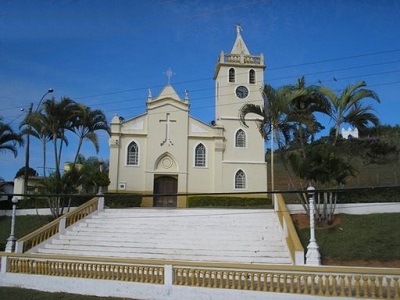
(18, 294)
(372, 237)
(23, 226)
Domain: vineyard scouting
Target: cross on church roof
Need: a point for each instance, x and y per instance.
(238, 29)
(169, 74)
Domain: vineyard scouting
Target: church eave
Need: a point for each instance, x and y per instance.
(168, 101)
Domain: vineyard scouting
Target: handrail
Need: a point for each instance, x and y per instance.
(38, 236)
(292, 239)
(304, 280)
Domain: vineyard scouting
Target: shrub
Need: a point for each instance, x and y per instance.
(209, 201)
(42, 202)
(122, 200)
(370, 195)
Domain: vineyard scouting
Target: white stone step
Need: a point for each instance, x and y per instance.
(161, 250)
(241, 236)
(175, 234)
(259, 246)
(212, 257)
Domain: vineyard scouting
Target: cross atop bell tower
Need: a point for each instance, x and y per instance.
(239, 47)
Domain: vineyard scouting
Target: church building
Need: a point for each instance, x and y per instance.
(166, 151)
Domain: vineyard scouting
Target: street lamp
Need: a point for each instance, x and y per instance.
(10, 246)
(101, 163)
(26, 173)
(312, 257)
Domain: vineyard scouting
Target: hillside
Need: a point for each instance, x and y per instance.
(374, 175)
(370, 176)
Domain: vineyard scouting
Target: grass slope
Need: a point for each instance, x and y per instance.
(23, 226)
(372, 237)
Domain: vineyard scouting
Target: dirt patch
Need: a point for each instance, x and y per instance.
(302, 221)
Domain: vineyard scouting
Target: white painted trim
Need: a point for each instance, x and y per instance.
(194, 156)
(126, 153)
(355, 208)
(246, 184)
(245, 138)
(121, 289)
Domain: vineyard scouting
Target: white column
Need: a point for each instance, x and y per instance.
(168, 275)
(10, 246)
(313, 257)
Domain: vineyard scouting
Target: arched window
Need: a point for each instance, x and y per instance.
(252, 76)
(240, 180)
(231, 75)
(200, 156)
(133, 154)
(240, 139)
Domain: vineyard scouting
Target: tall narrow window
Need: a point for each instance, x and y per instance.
(240, 180)
(200, 156)
(252, 76)
(240, 139)
(133, 154)
(231, 75)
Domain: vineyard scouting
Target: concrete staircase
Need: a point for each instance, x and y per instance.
(251, 236)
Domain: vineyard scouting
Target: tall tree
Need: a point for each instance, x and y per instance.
(59, 118)
(347, 107)
(85, 125)
(9, 140)
(285, 111)
(303, 109)
(38, 128)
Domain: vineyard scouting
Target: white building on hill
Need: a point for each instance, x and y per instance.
(167, 151)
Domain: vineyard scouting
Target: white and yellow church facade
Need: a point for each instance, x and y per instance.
(166, 151)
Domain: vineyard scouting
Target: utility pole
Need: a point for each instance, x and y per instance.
(26, 171)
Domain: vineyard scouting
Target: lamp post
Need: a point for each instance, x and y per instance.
(312, 257)
(10, 246)
(101, 163)
(26, 171)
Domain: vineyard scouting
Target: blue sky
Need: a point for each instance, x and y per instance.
(106, 54)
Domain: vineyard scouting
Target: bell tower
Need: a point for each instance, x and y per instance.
(239, 77)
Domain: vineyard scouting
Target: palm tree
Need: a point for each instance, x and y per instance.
(38, 128)
(303, 109)
(85, 125)
(287, 109)
(59, 118)
(347, 107)
(9, 139)
(275, 118)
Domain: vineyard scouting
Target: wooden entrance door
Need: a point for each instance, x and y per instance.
(165, 185)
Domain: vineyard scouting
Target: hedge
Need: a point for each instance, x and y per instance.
(42, 202)
(370, 195)
(209, 201)
(123, 200)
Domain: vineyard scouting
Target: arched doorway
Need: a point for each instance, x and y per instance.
(165, 185)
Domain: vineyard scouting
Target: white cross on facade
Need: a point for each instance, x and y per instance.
(167, 123)
(169, 74)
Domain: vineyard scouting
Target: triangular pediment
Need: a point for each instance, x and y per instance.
(168, 92)
(168, 96)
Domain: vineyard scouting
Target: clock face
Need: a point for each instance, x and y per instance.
(242, 91)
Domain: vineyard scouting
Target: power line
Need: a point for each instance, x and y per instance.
(335, 59)
(269, 80)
